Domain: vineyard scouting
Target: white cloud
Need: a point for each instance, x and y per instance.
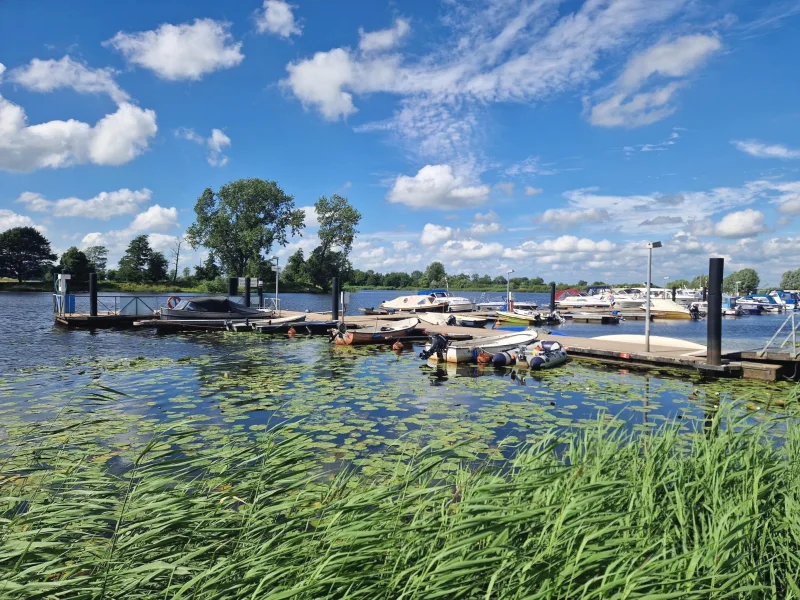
(656, 147)
(570, 245)
(401, 246)
(741, 224)
(485, 229)
(102, 206)
(760, 150)
(532, 191)
(48, 75)
(215, 143)
(2, 70)
(502, 52)
(470, 249)
(115, 139)
(630, 107)
(487, 217)
(186, 51)
(9, 220)
(435, 186)
(531, 166)
(311, 216)
(434, 234)
(385, 39)
(566, 217)
(276, 17)
(507, 187)
(155, 218)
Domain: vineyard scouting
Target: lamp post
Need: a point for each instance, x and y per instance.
(650, 246)
(508, 289)
(277, 270)
(736, 293)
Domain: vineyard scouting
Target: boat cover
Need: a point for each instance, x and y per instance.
(214, 304)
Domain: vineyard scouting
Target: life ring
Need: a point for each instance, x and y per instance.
(173, 301)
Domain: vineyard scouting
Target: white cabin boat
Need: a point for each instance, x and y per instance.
(577, 300)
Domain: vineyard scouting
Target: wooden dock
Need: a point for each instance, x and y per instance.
(110, 320)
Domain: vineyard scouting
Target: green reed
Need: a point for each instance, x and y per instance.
(596, 513)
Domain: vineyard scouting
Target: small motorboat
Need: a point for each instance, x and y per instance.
(667, 309)
(467, 352)
(255, 325)
(422, 302)
(375, 311)
(539, 355)
(518, 315)
(209, 308)
(445, 320)
(576, 299)
(377, 334)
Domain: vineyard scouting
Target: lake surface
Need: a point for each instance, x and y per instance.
(357, 404)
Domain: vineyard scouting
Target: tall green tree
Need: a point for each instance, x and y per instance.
(98, 259)
(24, 253)
(435, 274)
(208, 271)
(241, 221)
(678, 284)
(295, 270)
(133, 265)
(337, 231)
(76, 263)
(748, 281)
(791, 280)
(157, 267)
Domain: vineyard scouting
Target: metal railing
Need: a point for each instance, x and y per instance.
(792, 335)
(134, 306)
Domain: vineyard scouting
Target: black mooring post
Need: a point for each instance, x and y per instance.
(674, 292)
(260, 294)
(335, 299)
(714, 312)
(92, 294)
(705, 294)
(233, 286)
(552, 296)
(247, 291)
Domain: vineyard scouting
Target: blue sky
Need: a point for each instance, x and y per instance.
(551, 137)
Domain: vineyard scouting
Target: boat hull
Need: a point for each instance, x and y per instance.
(467, 352)
(377, 335)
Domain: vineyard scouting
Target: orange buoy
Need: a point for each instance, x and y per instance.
(397, 346)
(291, 332)
(484, 358)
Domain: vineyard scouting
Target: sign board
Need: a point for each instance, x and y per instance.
(276, 269)
(260, 282)
(241, 281)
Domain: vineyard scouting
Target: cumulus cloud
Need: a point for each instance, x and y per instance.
(507, 187)
(48, 75)
(155, 218)
(186, 51)
(566, 217)
(761, 150)
(487, 217)
(628, 106)
(741, 224)
(117, 138)
(532, 191)
(215, 143)
(485, 229)
(471, 249)
(311, 216)
(434, 234)
(436, 186)
(9, 220)
(385, 39)
(102, 206)
(276, 17)
(566, 244)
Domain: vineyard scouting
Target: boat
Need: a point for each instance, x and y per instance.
(539, 355)
(501, 303)
(300, 327)
(418, 303)
(766, 302)
(576, 299)
(787, 298)
(467, 352)
(377, 334)
(454, 303)
(628, 298)
(375, 311)
(667, 309)
(748, 307)
(729, 307)
(209, 308)
(254, 325)
(445, 320)
(520, 316)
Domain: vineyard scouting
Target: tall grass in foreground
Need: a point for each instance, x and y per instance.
(597, 514)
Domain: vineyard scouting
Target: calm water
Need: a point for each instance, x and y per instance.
(354, 402)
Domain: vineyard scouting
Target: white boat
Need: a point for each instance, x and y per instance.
(454, 303)
(444, 320)
(627, 298)
(575, 299)
(468, 351)
(500, 303)
(667, 309)
(417, 302)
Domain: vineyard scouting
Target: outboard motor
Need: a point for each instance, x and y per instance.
(694, 311)
(438, 345)
(451, 320)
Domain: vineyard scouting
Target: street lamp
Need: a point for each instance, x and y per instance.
(508, 290)
(277, 270)
(650, 246)
(736, 293)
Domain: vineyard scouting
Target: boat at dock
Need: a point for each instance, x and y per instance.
(254, 325)
(298, 327)
(667, 309)
(418, 303)
(467, 352)
(517, 315)
(576, 299)
(376, 334)
(763, 302)
(501, 303)
(444, 320)
(210, 308)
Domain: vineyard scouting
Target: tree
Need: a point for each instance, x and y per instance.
(208, 271)
(698, 282)
(75, 262)
(791, 280)
(499, 280)
(241, 222)
(295, 270)
(24, 252)
(133, 265)
(748, 281)
(678, 284)
(435, 274)
(176, 256)
(336, 233)
(157, 267)
(98, 258)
